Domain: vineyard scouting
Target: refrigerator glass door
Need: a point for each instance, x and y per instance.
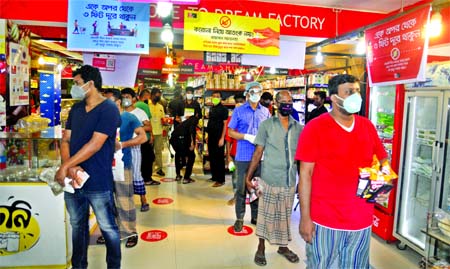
(422, 121)
(382, 109)
(444, 159)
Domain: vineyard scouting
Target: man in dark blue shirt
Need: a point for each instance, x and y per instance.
(88, 144)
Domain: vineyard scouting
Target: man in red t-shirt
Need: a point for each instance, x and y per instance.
(336, 223)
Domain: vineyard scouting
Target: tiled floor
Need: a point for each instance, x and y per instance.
(196, 224)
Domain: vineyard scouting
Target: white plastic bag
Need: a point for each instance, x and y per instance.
(118, 167)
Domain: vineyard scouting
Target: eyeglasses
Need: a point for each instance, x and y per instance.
(254, 90)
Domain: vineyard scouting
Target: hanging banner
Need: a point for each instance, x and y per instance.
(19, 75)
(228, 33)
(108, 26)
(397, 50)
(125, 67)
(2, 36)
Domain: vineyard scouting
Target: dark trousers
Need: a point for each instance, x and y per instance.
(216, 159)
(148, 157)
(241, 191)
(180, 161)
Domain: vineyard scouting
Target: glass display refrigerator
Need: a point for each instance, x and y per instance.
(424, 181)
(385, 112)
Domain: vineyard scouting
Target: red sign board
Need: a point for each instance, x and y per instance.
(153, 235)
(167, 179)
(246, 230)
(162, 201)
(396, 51)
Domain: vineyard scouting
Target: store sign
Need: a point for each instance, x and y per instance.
(397, 50)
(179, 2)
(162, 201)
(229, 33)
(177, 69)
(278, 71)
(108, 26)
(153, 235)
(216, 58)
(246, 230)
(149, 72)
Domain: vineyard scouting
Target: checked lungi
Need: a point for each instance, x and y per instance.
(138, 180)
(274, 214)
(126, 210)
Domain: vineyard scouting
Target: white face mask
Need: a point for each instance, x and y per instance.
(77, 92)
(189, 96)
(254, 98)
(351, 104)
(126, 102)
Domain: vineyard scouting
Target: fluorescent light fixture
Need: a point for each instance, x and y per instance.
(167, 34)
(163, 9)
(319, 56)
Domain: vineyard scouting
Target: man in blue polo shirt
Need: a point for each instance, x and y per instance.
(243, 127)
(88, 144)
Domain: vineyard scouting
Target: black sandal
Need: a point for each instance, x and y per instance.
(101, 240)
(132, 241)
(260, 259)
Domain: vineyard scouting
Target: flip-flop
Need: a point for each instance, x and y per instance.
(132, 241)
(188, 180)
(289, 255)
(101, 240)
(152, 182)
(260, 259)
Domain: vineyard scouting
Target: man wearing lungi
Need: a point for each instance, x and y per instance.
(277, 138)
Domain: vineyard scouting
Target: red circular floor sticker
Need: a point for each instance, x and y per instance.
(153, 235)
(246, 230)
(162, 201)
(167, 179)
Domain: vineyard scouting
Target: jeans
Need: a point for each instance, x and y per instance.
(102, 202)
(241, 190)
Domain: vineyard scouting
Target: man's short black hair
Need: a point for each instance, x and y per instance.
(155, 91)
(128, 91)
(115, 93)
(189, 89)
(143, 92)
(89, 73)
(335, 81)
(217, 92)
(239, 95)
(267, 96)
(321, 94)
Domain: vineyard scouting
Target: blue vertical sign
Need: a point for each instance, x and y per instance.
(50, 97)
(108, 26)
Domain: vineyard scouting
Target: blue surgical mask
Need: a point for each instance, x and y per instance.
(351, 104)
(77, 92)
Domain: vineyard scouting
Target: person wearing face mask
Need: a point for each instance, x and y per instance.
(157, 111)
(331, 150)
(277, 138)
(148, 155)
(231, 145)
(176, 107)
(319, 100)
(216, 139)
(88, 144)
(266, 101)
(243, 127)
(191, 104)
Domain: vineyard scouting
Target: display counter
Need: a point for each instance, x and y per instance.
(34, 226)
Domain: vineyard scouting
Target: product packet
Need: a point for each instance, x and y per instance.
(375, 180)
(257, 189)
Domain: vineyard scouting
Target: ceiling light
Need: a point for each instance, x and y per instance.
(435, 26)
(167, 34)
(319, 56)
(168, 60)
(361, 46)
(248, 76)
(41, 60)
(163, 9)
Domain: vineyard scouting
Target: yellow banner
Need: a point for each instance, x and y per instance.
(2, 36)
(229, 33)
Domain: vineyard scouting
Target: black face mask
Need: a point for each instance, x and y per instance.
(156, 99)
(146, 101)
(265, 103)
(285, 109)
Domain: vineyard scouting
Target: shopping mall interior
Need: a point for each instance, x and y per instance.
(191, 225)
